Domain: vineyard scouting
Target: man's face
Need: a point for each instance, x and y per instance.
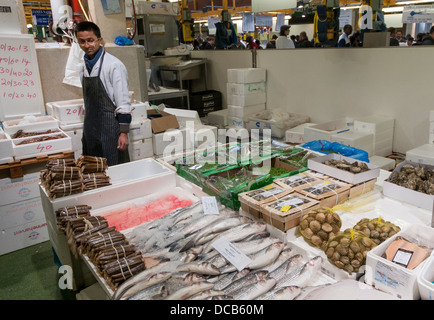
(349, 30)
(89, 42)
(399, 34)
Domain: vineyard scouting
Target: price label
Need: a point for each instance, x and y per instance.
(285, 208)
(231, 253)
(209, 205)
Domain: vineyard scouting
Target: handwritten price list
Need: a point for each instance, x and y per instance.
(16, 72)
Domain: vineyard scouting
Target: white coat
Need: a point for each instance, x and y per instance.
(283, 42)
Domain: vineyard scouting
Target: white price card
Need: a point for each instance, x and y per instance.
(210, 205)
(231, 253)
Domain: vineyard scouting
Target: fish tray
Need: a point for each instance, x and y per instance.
(346, 176)
(285, 213)
(251, 201)
(300, 180)
(329, 193)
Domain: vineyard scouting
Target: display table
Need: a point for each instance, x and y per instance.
(169, 93)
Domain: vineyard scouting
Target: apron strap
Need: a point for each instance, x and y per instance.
(100, 65)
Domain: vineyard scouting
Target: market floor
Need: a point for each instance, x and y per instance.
(31, 274)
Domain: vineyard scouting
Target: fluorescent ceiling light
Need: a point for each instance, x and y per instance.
(393, 9)
(413, 2)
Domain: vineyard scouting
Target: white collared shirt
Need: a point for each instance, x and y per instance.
(114, 77)
(283, 42)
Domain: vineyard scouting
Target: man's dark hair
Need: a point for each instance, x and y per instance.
(431, 30)
(283, 28)
(88, 26)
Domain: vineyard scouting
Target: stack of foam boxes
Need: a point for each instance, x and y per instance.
(22, 218)
(140, 136)
(424, 153)
(246, 94)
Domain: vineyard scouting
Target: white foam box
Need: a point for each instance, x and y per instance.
(431, 138)
(431, 127)
(68, 111)
(296, 134)
(317, 164)
(35, 149)
(358, 140)
(431, 116)
(30, 124)
(422, 154)
(19, 189)
(418, 199)
(170, 141)
(202, 136)
(6, 149)
(22, 212)
(246, 100)
(219, 118)
(138, 110)
(244, 112)
(374, 124)
(76, 136)
(140, 129)
(392, 278)
(141, 149)
(245, 88)
(425, 280)
(235, 122)
(246, 75)
(382, 162)
(278, 128)
(326, 130)
(22, 236)
(183, 116)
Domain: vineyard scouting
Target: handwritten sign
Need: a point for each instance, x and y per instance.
(20, 83)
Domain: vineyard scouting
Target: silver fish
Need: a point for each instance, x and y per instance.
(247, 280)
(199, 267)
(206, 294)
(284, 293)
(221, 297)
(218, 261)
(229, 278)
(305, 292)
(152, 280)
(157, 291)
(302, 276)
(284, 255)
(138, 278)
(237, 234)
(261, 258)
(287, 267)
(183, 279)
(255, 290)
(199, 224)
(188, 291)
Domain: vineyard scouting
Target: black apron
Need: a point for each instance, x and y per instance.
(101, 128)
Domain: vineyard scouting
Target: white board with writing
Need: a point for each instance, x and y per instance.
(20, 82)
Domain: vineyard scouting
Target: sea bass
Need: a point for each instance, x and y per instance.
(284, 293)
(151, 281)
(302, 276)
(287, 267)
(247, 280)
(199, 267)
(255, 290)
(187, 292)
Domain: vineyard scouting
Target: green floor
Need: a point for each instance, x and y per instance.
(31, 274)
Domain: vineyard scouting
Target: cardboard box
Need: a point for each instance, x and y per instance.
(140, 130)
(423, 154)
(390, 277)
(19, 189)
(326, 130)
(246, 75)
(296, 134)
(245, 88)
(246, 100)
(22, 236)
(167, 121)
(22, 212)
(244, 112)
(252, 200)
(317, 164)
(285, 213)
(329, 193)
(141, 149)
(416, 198)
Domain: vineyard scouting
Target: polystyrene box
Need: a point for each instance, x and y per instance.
(245, 88)
(219, 118)
(202, 136)
(30, 123)
(390, 277)
(141, 149)
(374, 124)
(246, 75)
(425, 280)
(170, 141)
(183, 116)
(235, 122)
(382, 162)
(423, 154)
(325, 130)
(359, 140)
(138, 112)
(243, 112)
(296, 134)
(22, 212)
(246, 100)
(6, 150)
(140, 129)
(69, 111)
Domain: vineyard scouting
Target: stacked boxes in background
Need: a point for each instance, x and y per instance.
(22, 218)
(425, 153)
(140, 135)
(246, 94)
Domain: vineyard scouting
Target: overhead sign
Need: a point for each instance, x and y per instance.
(264, 20)
(345, 17)
(418, 14)
(248, 22)
(41, 17)
(269, 5)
